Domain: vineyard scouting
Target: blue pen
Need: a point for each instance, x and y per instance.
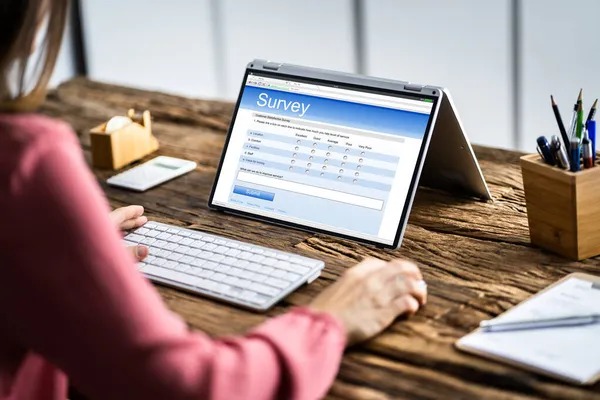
(575, 154)
(545, 151)
(592, 136)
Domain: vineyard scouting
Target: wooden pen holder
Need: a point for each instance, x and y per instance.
(563, 208)
(113, 150)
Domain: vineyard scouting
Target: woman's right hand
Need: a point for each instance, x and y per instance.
(369, 296)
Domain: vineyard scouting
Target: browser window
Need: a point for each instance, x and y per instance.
(338, 159)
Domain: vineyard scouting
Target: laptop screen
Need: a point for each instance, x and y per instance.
(326, 156)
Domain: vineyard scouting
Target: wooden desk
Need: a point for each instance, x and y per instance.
(475, 256)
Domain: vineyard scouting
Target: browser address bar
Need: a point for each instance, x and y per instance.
(407, 105)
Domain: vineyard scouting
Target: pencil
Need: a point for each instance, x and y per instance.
(579, 120)
(592, 113)
(561, 126)
(573, 124)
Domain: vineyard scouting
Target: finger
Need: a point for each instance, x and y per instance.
(366, 267)
(139, 252)
(406, 305)
(133, 223)
(407, 268)
(123, 214)
(411, 286)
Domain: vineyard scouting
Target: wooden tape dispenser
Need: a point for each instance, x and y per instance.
(122, 140)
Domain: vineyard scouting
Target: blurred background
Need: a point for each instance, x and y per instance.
(500, 59)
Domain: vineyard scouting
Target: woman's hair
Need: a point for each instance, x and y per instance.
(23, 85)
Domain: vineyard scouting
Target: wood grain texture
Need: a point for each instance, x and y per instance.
(476, 256)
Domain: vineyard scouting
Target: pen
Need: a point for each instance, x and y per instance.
(573, 125)
(579, 120)
(574, 154)
(491, 326)
(592, 112)
(561, 126)
(586, 149)
(559, 153)
(592, 136)
(543, 149)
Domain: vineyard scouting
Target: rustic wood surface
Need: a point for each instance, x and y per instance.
(475, 256)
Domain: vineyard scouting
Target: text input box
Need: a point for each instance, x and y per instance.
(310, 190)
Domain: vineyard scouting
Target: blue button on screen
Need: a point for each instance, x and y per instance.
(257, 194)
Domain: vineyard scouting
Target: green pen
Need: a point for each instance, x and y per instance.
(579, 130)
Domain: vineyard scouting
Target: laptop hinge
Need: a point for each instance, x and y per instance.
(271, 65)
(414, 87)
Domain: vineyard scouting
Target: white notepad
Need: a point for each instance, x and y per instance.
(567, 353)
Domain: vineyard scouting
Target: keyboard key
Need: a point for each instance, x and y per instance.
(257, 258)
(220, 241)
(175, 239)
(148, 241)
(270, 254)
(209, 247)
(159, 262)
(232, 244)
(160, 228)
(153, 233)
(170, 264)
(291, 277)
(217, 258)
(198, 244)
(210, 265)
(260, 288)
(173, 230)
(233, 252)
(257, 250)
(164, 236)
(186, 259)
(196, 236)
(192, 252)
(269, 261)
(199, 262)
(207, 239)
(266, 270)
(277, 283)
(182, 249)
(245, 247)
(245, 255)
(184, 233)
(219, 277)
(171, 246)
(221, 250)
(163, 253)
(282, 256)
(142, 231)
(186, 241)
(277, 273)
(230, 261)
(134, 238)
(150, 225)
(160, 244)
(175, 256)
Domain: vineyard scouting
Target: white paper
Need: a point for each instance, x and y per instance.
(572, 352)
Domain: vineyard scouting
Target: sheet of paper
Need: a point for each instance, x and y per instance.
(573, 352)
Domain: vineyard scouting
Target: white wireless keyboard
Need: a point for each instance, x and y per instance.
(247, 275)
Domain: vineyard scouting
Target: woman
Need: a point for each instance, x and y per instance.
(73, 305)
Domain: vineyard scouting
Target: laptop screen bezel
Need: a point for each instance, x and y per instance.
(344, 85)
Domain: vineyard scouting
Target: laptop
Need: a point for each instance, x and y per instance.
(338, 153)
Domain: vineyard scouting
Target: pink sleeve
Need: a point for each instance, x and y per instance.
(72, 294)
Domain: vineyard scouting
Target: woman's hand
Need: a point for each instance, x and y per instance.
(130, 217)
(371, 295)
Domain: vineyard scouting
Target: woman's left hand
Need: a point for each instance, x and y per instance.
(130, 217)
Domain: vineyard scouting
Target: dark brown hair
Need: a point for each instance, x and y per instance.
(20, 22)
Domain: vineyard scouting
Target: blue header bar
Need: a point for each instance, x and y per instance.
(337, 112)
